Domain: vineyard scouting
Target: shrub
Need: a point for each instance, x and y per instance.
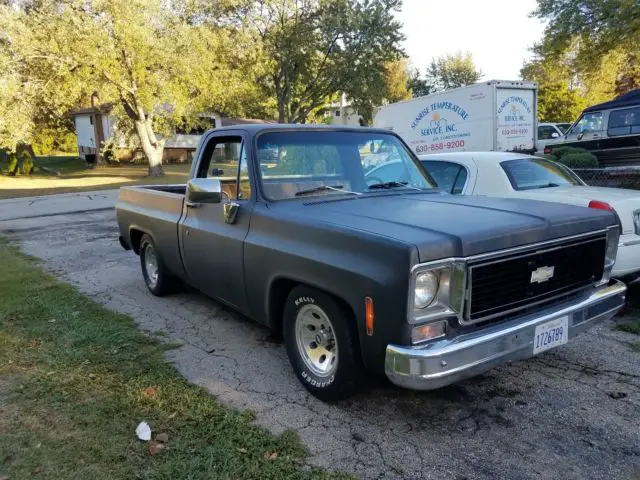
(27, 163)
(560, 152)
(579, 160)
(12, 161)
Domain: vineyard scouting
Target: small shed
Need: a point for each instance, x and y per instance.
(93, 126)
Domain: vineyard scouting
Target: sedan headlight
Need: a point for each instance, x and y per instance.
(426, 289)
(436, 291)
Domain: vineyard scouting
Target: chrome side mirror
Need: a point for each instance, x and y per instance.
(555, 135)
(204, 190)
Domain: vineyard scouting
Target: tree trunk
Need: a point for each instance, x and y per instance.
(153, 149)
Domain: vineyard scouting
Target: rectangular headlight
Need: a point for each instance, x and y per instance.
(436, 290)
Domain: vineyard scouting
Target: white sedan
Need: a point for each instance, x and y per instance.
(500, 174)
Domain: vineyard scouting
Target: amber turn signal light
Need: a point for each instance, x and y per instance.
(369, 315)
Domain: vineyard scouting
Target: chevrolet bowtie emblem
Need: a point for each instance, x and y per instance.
(542, 274)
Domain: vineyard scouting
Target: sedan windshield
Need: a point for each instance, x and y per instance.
(531, 173)
(311, 163)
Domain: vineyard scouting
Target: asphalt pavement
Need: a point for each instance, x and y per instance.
(570, 413)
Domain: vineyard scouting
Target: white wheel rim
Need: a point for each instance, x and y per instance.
(316, 342)
(151, 265)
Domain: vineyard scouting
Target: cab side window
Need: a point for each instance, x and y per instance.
(624, 122)
(224, 158)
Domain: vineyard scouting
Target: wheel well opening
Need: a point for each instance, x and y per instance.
(281, 289)
(136, 236)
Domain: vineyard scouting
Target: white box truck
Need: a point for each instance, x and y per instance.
(496, 115)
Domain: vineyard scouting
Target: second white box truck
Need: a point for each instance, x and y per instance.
(496, 115)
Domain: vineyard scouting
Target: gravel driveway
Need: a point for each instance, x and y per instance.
(571, 413)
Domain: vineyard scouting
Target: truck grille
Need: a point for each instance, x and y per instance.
(501, 286)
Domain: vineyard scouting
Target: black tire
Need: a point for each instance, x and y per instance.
(165, 282)
(345, 378)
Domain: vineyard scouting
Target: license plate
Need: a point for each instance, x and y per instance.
(551, 334)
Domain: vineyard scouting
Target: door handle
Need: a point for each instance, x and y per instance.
(191, 204)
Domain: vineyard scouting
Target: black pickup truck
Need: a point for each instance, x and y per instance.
(294, 227)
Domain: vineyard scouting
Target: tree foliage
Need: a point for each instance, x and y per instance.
(452, 71)
(590, 53)
(601, 25)
(316, 49)
(418, 86)
(153, 60)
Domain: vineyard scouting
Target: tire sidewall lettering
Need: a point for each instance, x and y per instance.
(309, 378)
(302, 300)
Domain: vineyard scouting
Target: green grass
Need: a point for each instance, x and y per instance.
(73, 377)
(632, 326)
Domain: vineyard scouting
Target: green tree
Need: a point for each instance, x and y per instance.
(419, 86)
(597, 32)
(155, 61)
(602, 25)
(396, 74)
(452, 71)
(559, 98)
(315, 49)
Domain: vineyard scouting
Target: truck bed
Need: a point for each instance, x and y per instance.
(153, 209)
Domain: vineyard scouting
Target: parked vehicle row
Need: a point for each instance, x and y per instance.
(340, 239)
(511, 175)
(610, 130)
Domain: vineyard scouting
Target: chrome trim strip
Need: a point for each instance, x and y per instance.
(449, 360)
(507, 251)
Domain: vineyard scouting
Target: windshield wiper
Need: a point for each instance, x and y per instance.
(388, 185)
(324, 188)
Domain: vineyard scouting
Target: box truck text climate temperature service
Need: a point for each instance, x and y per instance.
(497, 115)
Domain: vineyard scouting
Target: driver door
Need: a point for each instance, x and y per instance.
(588, 130)
(212, 245)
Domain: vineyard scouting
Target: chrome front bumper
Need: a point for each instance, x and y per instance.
(446, 361)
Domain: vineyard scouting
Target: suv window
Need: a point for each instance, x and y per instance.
(222, 160)
(449, 176)
(588, 123)
(545, 132)
(624, 122)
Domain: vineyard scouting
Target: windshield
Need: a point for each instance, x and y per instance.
(311, 163)
(530, 173)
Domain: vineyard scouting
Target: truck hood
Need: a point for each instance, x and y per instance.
(624, 201)
(443, 226)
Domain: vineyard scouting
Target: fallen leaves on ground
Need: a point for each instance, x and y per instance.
(150, 392)
(270, 456)
(155, 447)
(162, 437)
(35, 343)
(242, 450)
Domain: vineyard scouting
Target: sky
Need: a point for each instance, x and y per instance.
(498, 33)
